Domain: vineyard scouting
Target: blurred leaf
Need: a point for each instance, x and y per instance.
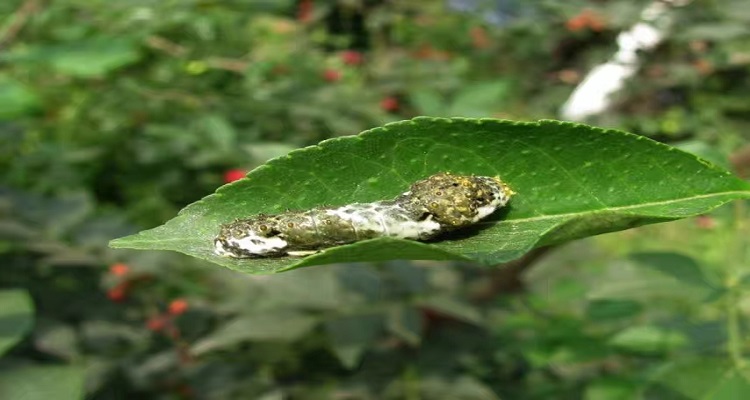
(16, 99)
(479, 99)
(362, 280)
(572, 181)
(648, 339)
(351, 336)
(283, 326)
(90, 58)
(608, 309)
(30, 382)
(16, 317)
(610, 389)
(428, 102)
(705, 151)
(406, 323)
(262, 152)
(111, 336)
(58, 339)
(705, 379)
(681, 267)
(716, 31)
(294, 290)
(218, 132)
(155, 364)
(716, 294)
(452, 307)
(439, 388)
(626, 280)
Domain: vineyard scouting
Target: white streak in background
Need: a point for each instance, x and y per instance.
(593, 94)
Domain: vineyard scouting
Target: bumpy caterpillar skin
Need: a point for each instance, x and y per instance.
(438, 204)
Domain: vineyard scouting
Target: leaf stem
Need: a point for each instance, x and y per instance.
(734, 331)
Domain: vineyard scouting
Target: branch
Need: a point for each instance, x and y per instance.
(18, 21)
(741, 161)
(507, 278)
(167, 46)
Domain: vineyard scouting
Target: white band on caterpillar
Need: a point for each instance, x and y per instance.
(438, 204)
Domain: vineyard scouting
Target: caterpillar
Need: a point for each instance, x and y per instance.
(440, 203)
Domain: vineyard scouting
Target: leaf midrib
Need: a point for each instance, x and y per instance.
(745, 193)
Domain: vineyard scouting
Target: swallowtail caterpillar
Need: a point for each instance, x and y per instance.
(440, 203)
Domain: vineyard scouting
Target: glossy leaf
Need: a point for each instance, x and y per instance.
(571, 180)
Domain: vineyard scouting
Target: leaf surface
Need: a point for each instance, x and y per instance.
(571, 180)
(16, 317)
(40, 382)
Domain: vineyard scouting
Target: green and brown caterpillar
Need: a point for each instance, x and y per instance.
(440, 203)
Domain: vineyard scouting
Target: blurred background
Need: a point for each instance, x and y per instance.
(116, 114)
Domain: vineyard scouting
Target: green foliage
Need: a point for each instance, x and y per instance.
(705, 379)
(571, 182)
(20, 379)
(40, 382)
(115, 115)
(16, 98)
(16, 311)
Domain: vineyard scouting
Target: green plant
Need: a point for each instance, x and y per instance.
(573, 181)
(115, 115)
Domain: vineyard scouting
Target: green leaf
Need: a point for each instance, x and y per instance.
(277, 327)
(705, 151)
(352, 335)
(571, 180)
(648, 340)
(406, 323)
(610, 309)
(16, 99)
(479, 99)
(452, 307)
(610, 389)
(678, 266)
(705, 379)
(716, 31)
(85, 59)
(464, 387)
(16, 317)
(30, 382)
(428, 102)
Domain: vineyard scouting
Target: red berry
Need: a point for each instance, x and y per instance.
(389, 103)
(331, 75)
(586, 19)
(118, 293)
(119, 269)
(178, 306)
(351, 57)
(234, 175)
(575, 24)
(157, 323)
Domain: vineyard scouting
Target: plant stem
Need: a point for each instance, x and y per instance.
(734, 343)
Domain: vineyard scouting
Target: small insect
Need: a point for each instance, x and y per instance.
(441, 203)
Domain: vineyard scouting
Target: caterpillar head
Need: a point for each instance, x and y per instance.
(456, 201)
